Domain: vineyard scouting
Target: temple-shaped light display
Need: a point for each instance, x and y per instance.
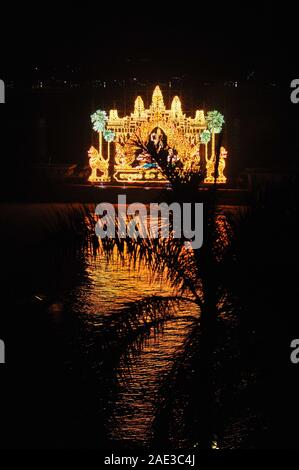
(185, 136)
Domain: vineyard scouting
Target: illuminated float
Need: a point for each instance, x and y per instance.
(184, 135)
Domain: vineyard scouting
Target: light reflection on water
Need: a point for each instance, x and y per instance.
(135, 407)
(111, 285)
(93, 288)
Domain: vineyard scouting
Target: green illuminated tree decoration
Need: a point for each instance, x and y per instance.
(205, 138)
(109, 135)
(215, 121)
(99, 119)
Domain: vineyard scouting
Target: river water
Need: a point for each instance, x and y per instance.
(66, 285)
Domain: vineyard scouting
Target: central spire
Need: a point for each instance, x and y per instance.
(157, 100)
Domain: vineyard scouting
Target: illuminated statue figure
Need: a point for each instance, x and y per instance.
(97, 163)
(223, 154)
(157, 138)
(210, 167)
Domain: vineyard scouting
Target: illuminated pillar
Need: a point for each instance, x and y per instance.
(213, 145)
(100, 142)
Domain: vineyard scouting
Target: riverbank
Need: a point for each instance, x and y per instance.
(88, 193)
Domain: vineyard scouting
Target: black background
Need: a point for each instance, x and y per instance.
(202, 51)
(255, 46)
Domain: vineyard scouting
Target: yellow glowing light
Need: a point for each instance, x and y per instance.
(214, 445)
(183, 135)
(139, 108)
(157, 105)
(113, 115)
(176, 108)
(200, 117)
(210, 167)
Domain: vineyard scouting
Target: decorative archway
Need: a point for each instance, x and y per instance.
(183, 138)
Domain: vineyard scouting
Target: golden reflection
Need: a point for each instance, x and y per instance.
(112, 283)
(118, 278)
(214, 445)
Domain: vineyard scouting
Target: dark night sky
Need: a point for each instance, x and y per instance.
(155, 43)
(150, 41)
